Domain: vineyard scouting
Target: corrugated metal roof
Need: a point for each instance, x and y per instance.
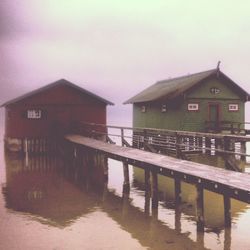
(171, 88)
(52, 85)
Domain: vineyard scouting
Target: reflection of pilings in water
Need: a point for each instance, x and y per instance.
(126, 183)
(156, 234)
(82, 164)
(213, 216)
(227, 238)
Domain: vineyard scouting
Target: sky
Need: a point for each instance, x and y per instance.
(116, 48)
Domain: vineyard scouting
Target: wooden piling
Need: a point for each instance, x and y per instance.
(147, 191)
(243, 150)
(227, 238)
(126, 185)
(200, 208)
(177, 218)
(177, 186)
(207, 145)
(154, 189)
(227, 210)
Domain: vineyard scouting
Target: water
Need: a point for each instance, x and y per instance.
(48, 203)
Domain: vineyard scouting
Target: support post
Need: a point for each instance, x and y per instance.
(227, 238)
(243, 150)
(208, 145)
(122, 136)
(227, 210)
(154, 190)
(177, 186)
(144, 138)
(147, 192)
(200, 208)
(126, 187)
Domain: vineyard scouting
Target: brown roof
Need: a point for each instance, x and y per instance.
(54, 84)
(171, 88)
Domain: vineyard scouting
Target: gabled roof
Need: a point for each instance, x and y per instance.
(174, 87)
(52, 85)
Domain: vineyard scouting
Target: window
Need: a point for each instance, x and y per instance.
(143, 109)
(193, 107)
(163, 108)
(233, 107)
(34, 114)
(215, 90)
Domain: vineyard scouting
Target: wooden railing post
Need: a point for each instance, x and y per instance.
(144, 138)
(122, 136)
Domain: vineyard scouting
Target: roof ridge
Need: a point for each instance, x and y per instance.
(183, 76)
(51, 85)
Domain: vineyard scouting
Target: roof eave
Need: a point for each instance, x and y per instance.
(53, 84)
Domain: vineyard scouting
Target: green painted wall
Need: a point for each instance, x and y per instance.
(178, 117)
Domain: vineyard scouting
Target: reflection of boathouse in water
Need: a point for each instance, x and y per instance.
(51, 110)
(58, 194)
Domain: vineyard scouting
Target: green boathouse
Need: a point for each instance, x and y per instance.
(208, 101)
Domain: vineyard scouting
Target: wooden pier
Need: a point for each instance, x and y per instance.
(228, 183)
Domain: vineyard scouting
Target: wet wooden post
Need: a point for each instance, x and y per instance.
(126, 186)
(200, 208)
(178, 147)
(177, 187)
(147, 191)
(219, 145)
(227, 210)
(125, 202)
(227, 238)
(154, 190)
(243, 150)
(200, 239)
(227, 144)
(208, 145)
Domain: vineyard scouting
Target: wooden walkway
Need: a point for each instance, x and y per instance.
(228, 183)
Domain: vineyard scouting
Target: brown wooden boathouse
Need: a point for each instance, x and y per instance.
(50, 111)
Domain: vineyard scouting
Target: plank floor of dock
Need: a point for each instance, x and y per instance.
(235, 184)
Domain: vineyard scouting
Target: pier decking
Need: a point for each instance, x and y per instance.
(230, 183)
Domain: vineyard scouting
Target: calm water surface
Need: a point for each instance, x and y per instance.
(46, 203)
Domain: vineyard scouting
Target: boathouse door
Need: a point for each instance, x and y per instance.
(214, 115)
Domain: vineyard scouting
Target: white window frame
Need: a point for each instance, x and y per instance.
(163, 108)
(143, 109)
(193, 107)
(233, 107)
(215, 90)
(34, 114)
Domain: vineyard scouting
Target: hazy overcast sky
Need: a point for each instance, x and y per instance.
(117, 48)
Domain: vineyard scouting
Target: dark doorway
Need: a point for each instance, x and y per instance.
(214, 115)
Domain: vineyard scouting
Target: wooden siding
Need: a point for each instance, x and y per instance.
(202, 90)
(61, 106)
(178, 117)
